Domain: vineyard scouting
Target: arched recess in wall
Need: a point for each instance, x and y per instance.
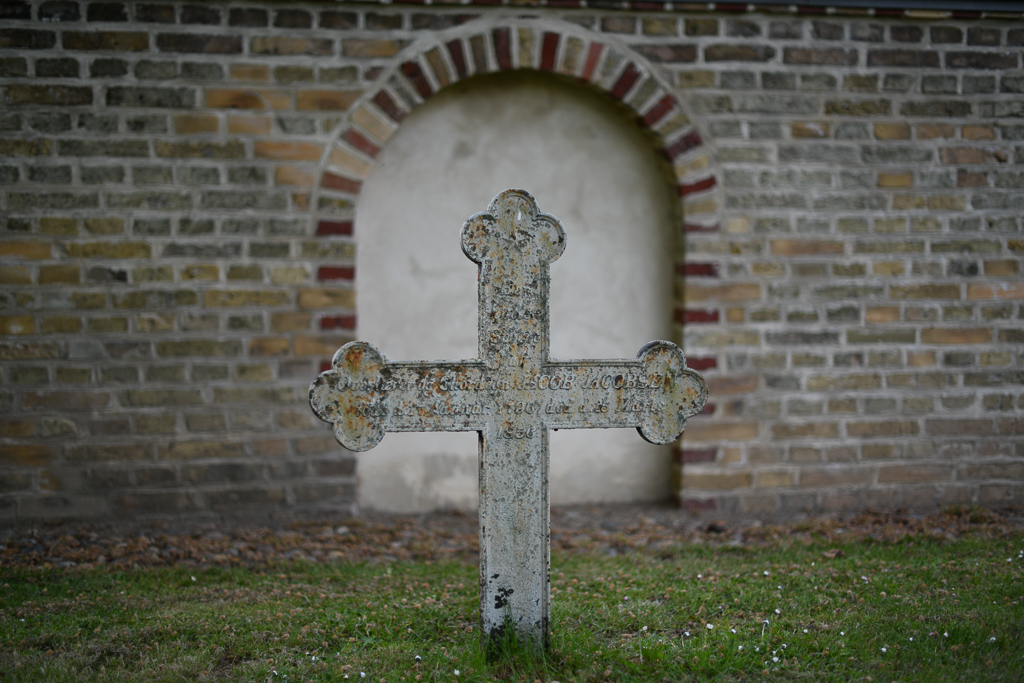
(495, 45)
(428, 67)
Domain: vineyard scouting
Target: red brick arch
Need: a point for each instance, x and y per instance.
(491, 46)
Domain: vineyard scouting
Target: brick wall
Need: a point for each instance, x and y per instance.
(179, 181)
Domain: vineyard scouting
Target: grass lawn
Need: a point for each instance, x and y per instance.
(918, 608)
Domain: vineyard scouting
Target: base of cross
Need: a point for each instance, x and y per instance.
(512, 395)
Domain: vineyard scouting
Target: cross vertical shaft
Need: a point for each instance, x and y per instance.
(514, 457)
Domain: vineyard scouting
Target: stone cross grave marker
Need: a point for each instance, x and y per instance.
(511, 395)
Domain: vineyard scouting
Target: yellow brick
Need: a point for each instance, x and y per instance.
(269, 347)
(896, 179)
(1001, 268)
(59, 274)
(25, 250)
(228, 98)
(691, 166)
(734, 315)
(155, 322)
(930, 131)
(15, 275)
(62, 324)
(706, 430)
(323, 347)
(292, 151)
(696, 79)
(999, 290)
(288, 275)
(185, 124)
(244, 297)
(294, 175)
(889, 268)
(817, 430)
(104, 226)
(907, 201)
(896, 130)
(998, 358)
(327, 298)
(920, 359)
(349, 163)
(150, 274)
(111, 250)
(17, 324)
(108, 325)
(242, 124)
(732, 455)
(736, 292)
(805, 247)
(976, 335)
(890, 225)
(695, 206)
(254, 373)
(882, 314)
(774, 479)
(49, 225)
(737, 226)
(203, 272)
(978, 133)
(726, 481)
(810, 129)
(290, 322)
(250, 72)
(326, 100)
(947, 203)
(372, 124)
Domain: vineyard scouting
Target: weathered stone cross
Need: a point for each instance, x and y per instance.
(512, 395)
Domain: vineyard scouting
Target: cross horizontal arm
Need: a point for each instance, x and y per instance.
(364, 396)
(655, 392)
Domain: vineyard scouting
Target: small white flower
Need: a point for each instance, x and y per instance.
(864, 579)
(362, 674)
(757, 648)
(417, 659)
(711, 627)
(193, 578)
(766, 572)
(775, 659)
(700, 576)
(911, 638)
(946, 634)
(456, 672)
(778, 611)
(884, 650)
(779, 587)
(644, 629)
(732, 630)
(739, 649)
(805, 630)
(842, 633)
(686, 633)
(992, 639)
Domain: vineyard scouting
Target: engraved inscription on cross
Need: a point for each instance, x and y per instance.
(512, 395)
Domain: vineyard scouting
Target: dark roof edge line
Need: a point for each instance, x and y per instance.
(910, 9)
